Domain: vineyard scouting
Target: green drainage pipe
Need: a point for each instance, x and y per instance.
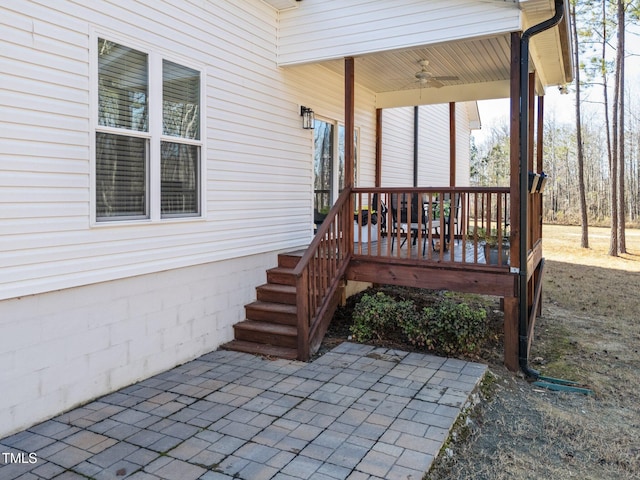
(559, 385)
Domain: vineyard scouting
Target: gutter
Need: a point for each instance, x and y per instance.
(524, 180)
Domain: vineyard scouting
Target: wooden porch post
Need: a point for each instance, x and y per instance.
(378, 147)
(539, 205)
(349, 154)
(416, 139)
(531, 237)
(511, 336)
(531, 199)
(539, 156)
(452, 144)
(349, 107)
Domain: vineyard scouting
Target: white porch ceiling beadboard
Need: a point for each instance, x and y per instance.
(281, 4)
(483, 61)
(467, 39)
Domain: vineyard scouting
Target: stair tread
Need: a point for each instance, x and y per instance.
(276, 328)
(261, 349)
(274, 307)
(281, 270)
(278, 287)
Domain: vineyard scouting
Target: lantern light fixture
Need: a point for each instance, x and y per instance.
(308, 119)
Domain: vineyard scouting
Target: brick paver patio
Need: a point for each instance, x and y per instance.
(357, 413)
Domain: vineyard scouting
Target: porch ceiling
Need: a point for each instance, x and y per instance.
(482, 68)
(481, 64)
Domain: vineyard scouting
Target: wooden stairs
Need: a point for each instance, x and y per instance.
(270, 327)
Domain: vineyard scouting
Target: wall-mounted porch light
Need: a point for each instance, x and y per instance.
(308, 119)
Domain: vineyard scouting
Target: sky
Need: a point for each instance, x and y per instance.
(496, 112)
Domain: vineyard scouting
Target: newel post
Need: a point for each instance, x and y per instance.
(302, 305)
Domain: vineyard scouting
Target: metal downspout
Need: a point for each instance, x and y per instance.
(524, 180)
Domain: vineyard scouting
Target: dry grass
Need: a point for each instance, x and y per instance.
(589, 331)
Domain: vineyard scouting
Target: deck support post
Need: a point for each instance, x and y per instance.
(511, 304)
(511, 333)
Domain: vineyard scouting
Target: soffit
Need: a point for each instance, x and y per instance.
(482, 65)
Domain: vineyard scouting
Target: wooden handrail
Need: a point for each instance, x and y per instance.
(322, 231)
(320, 270)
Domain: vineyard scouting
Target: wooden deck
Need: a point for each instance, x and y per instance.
(456, 252)
(461, 268)
(293, 310)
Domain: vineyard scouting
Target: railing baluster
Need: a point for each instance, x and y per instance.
(465, 216)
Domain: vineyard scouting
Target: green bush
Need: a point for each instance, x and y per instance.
(376, 315)
(447, 327)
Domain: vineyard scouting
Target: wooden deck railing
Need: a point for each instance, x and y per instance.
(319, 273)
(466, 226)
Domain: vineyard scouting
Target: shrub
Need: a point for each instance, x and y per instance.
(448, 327)
(376, 315)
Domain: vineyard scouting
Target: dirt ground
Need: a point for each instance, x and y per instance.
(589, 332)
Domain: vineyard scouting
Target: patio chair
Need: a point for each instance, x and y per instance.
(379, 212)
(454, 214)
(400, 219)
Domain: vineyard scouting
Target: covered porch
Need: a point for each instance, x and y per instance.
(440, 237)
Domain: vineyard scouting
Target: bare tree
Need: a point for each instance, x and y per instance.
(622, 247)
(613, 162)
(584, 241)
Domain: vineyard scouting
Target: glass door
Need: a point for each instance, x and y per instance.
(323, 169)
(328, 165)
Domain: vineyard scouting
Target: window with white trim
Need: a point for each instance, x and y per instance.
(148, 136)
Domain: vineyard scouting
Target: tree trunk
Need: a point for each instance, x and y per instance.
(622, 248)
(613, 159)
(584, 242)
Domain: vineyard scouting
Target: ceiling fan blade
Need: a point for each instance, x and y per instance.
(449, 78)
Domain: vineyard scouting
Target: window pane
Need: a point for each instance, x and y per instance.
(341, 157)
(323, 166)
(122, 87)
(180, 101)
(121, 176)
(180, 179)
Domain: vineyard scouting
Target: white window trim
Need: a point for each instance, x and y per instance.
(155, 55)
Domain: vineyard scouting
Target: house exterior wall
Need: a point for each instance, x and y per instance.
(87, 307)
(463, 147)
(327, 29)
(433, 150)
(433, 146)
(63, 348)
(258, 169)
(397, 147)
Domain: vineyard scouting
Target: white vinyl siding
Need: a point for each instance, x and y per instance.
(463, 146)
(257, 163)
(397, 147)
(327, 29)
(433, 151)
(433, 146)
